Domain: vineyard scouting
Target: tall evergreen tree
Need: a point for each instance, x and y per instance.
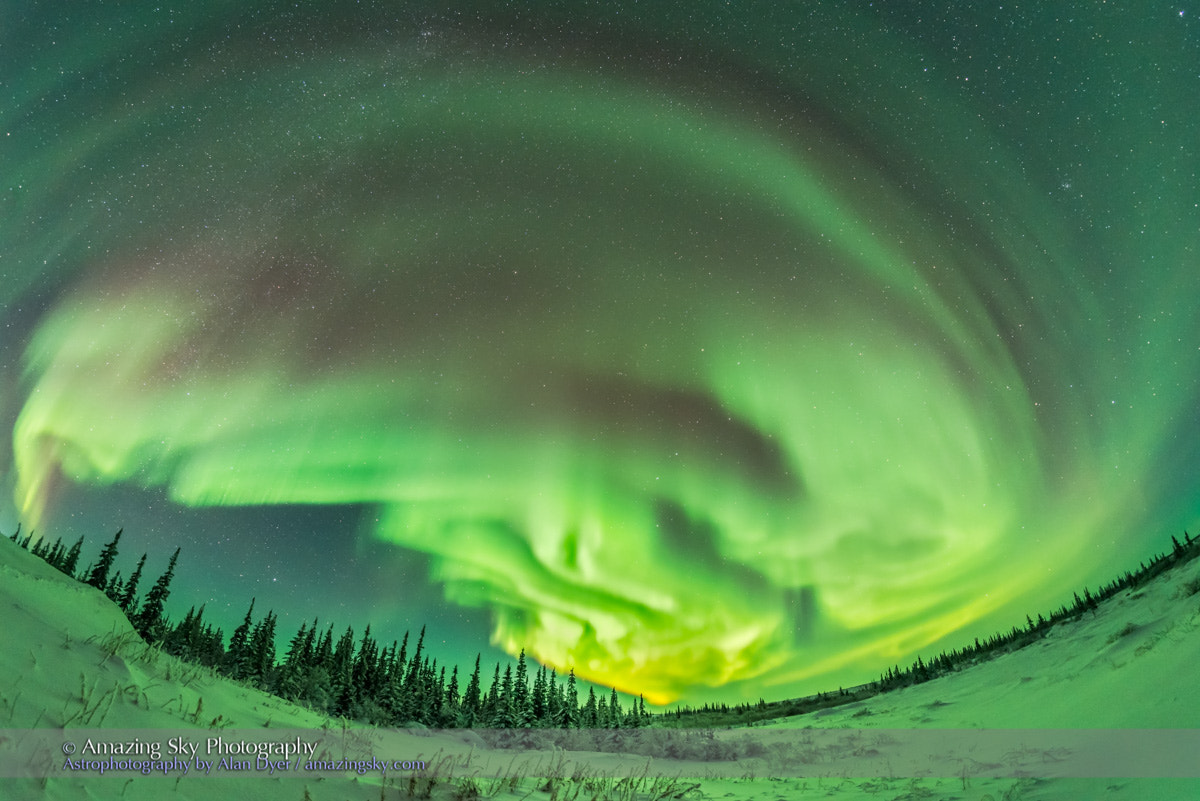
(554, 704)
(98, 577)
(451, 703)
(149, 621)
(339, 674)
(522, 713)
(364, 675)
(40, 548)
(237, 658)
(71, 560)
(491, 703)
(504, 715)
(128, 594)
(471, 700)
(537, 705)
(261, 650)
(49, 552)
(176, 639)
(590, 717)
(323, 652)
(113, 588)
(570, 717)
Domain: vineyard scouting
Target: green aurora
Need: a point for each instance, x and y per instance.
(736, 349)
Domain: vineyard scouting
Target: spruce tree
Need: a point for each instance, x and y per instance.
(471, 700)
(614, 710)
(590, 718)
(261, 651)
(57, 554)
(504, 715)
(176, 639)
(537, 707)
(570, 716)
(339, 674)
(451, 704)
(554, 704)
(365, 676)
(40, 548)
(71, 560)
(113, 588)
(49, 552)
(521, 712)
(150, 620)
(491, 703)
(98, 577)
(295, 664)
(237, 657)
(128, 594)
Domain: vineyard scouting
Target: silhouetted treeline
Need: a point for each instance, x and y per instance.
(355, 677)
(361, 679)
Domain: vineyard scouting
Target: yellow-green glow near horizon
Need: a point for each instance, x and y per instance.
(685, 384)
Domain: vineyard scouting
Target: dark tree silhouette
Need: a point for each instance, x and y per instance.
(149, 621)
(98, 577)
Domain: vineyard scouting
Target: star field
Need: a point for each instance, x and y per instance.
(709, 350)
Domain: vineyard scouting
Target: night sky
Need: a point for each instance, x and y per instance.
(715, 350)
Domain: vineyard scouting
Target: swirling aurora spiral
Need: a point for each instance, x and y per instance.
(693, 376)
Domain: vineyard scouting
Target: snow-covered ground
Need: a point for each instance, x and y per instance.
(72, 673)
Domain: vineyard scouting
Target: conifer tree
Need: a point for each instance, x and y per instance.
(175, 641)
(196, 637)
(614, 710)
(150, 619)
(570, 716)
(47, 551)
(451, 704)
(323, 652)
(414, 666)
(71, 560)
(237, 658)
(261, 651)
(503, 716)
(339, 674)
(113, 588)
(57, 554)
(39, 548)
(589, 717)
(491, 703)
(521, 712)
(471, 698)
(295, 663)
(554, 704)
(299, 649)
(128, 595)
(363, 670)
(98, 577)
(537, 706)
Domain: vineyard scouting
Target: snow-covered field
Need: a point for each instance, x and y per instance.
(72, 673)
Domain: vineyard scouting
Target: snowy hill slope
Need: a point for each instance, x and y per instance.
(1131, 664)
